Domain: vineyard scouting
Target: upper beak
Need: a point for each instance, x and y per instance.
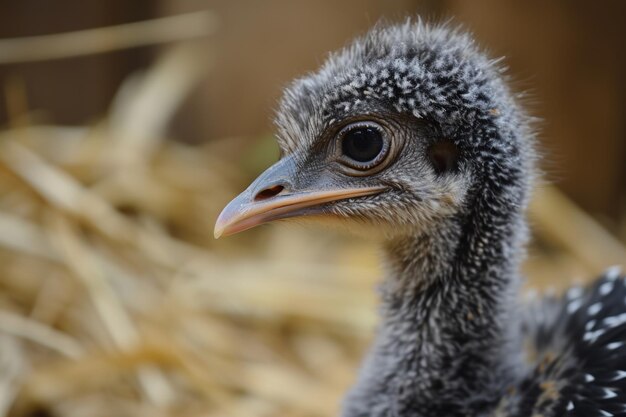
(272, 197)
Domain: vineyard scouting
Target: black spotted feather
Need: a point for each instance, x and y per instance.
(580, 353)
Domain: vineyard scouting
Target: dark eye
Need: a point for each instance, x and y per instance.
(362, 144)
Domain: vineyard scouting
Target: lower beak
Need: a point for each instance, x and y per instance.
(252, 209)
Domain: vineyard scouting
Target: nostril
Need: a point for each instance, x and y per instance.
(268, 193)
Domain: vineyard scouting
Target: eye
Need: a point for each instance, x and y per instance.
(363, 145)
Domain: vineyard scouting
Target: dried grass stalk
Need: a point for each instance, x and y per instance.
(94, 41)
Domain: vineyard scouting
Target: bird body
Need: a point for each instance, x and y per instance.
(411, 132)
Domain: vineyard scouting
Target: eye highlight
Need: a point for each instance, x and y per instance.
(363, 145)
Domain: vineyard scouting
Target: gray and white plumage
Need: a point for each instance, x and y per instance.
(449, 201)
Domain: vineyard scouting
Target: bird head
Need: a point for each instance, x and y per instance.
(407, 126)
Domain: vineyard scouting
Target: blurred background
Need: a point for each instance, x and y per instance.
(127, 126)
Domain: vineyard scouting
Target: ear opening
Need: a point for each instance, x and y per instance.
(444, 156)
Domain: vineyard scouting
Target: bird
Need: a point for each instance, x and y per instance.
(412, 135)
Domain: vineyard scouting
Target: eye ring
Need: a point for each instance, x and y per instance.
(363, 145)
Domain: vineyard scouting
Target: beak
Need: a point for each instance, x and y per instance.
(272, 196)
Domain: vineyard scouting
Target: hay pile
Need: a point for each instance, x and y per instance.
(116, 301)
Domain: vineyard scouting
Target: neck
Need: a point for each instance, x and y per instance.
(448, 342)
